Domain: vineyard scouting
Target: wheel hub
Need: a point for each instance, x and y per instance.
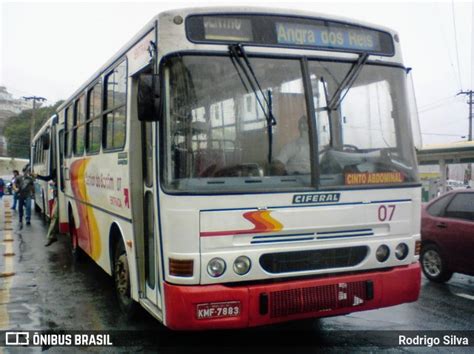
(121, 276)
(432, 263)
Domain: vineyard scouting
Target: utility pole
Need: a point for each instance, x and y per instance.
(470, 102)
(34, 98)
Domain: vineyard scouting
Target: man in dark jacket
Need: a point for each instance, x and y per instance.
(25, 187)
(13, 191)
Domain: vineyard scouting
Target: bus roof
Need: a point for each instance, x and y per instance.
(268, 11)
(184, 12)
(49, 122)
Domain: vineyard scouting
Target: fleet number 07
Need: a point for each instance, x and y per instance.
(386, 212)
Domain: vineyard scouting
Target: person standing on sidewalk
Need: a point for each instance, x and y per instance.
(2, 187)
(15, 193)
(26, 188)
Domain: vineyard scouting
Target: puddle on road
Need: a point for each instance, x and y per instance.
(462, 286)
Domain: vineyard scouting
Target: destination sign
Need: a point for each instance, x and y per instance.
(227, 28)
(288, 31)
(331, 37)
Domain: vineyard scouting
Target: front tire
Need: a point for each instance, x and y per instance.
(127, 305)
(433, 265)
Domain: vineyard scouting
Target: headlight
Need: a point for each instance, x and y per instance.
(382, 253)
(216, 267)
(242, 265)
(401, 251)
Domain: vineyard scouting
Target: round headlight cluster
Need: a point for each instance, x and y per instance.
(382, 253)
(242, 265)
(216, 267)
(401, 252)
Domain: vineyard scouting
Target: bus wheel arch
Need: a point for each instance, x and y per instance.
(120, 270)
(115, 237)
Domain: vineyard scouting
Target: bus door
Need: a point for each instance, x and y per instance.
(150, 228)
(152, 275)
(63, 221)
(143, 162)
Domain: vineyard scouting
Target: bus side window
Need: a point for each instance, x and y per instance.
(115, 108)
(68, 134)
(79, 129)
(93, 128)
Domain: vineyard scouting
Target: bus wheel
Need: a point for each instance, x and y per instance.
(122, 282)
(433, 265)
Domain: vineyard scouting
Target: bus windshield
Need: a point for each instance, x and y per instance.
(367, 137)
(216, 134)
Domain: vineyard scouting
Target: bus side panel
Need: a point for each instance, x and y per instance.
(97, 190)
(94, 228)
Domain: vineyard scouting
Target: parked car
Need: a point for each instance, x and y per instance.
(452, 184)
(447, 235)
(9, 188)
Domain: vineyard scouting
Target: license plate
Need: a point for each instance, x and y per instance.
(218, 310)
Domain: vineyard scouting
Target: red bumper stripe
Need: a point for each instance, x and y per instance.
(290, 300)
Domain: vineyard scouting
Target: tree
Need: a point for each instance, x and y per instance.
(17, 129)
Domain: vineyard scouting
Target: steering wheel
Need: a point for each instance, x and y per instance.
(350, 148)
(345, 148)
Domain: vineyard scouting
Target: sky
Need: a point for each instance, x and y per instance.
(49, 49)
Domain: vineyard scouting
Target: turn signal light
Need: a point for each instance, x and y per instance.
(181, 267)
(417, 247)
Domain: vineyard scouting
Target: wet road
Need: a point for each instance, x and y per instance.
(49, 292)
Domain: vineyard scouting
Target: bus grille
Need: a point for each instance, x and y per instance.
(313, 260)
(318, 298)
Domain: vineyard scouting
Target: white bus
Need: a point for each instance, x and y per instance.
(43, 162)
(236, 167)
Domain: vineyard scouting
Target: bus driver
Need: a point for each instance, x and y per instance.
(293, 158)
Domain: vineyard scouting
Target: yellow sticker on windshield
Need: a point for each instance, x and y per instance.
(373, 178)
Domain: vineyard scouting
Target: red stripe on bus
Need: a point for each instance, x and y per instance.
(261, 219)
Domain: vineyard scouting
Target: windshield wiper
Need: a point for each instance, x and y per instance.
(326, 97)
(237, 52)
(347, 82)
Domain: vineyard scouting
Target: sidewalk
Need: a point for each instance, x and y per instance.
(20, 269)
(6, 260)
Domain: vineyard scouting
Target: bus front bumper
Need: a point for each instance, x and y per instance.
(207, 307)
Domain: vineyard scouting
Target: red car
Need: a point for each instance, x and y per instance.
(447, 235)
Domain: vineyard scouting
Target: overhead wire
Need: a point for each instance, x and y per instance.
(447, 44)
(434, 107)
(435, 103)
(456, 43)
(472, 46)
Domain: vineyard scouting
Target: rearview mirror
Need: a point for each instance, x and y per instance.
(148, 98)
